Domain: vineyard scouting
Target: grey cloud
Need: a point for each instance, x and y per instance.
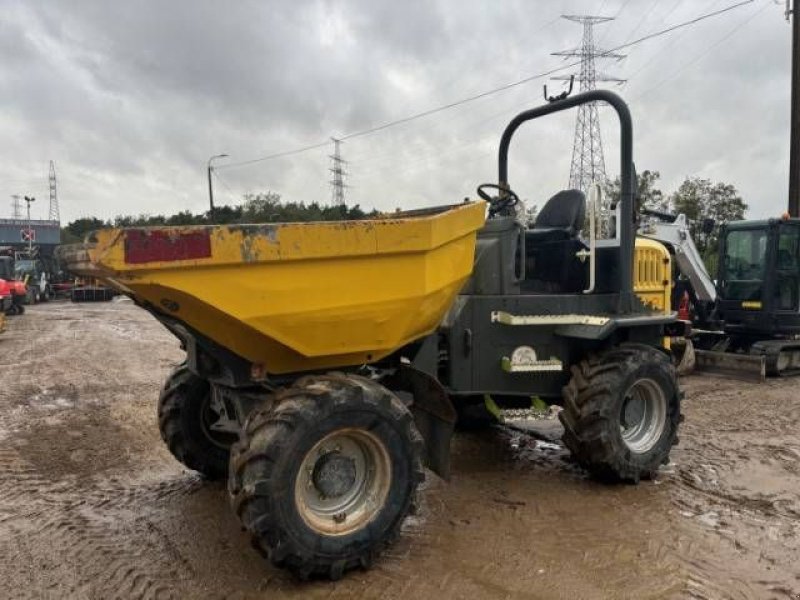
(131, 98)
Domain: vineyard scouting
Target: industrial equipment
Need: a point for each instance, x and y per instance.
(749, 321)
(34, 268)
(18, 292)
(759, 291)
(325, 361)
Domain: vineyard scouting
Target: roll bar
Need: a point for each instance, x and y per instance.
(626, 232)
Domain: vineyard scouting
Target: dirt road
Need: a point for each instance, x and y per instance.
(93, 506)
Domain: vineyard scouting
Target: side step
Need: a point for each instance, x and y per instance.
(738, 366)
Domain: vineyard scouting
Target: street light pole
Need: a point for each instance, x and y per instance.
(794, 152)
(210, 184)
(28, 200)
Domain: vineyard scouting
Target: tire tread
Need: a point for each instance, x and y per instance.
(172, 403)
(590, 425)
(263, 438)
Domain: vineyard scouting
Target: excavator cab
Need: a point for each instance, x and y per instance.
(759, 277)
(759, 291)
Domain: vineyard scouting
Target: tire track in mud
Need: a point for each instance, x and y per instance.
(99, 565)
(541, 524)
(82, 530)
(69, 511)
(736, 489)
(92, 506)
(87, 537)
(686, 554)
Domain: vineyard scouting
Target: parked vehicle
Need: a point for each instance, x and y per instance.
(17, 290)
(325, 361)
(749, 319)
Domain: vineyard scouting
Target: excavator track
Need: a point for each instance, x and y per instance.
(748, 367)
(782, 356)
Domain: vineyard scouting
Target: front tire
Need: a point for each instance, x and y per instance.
(323, 477)
(187, 414)
(621, 412)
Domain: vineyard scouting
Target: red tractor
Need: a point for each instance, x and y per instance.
(13, 293)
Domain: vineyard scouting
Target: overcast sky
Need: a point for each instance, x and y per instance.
(130, 99)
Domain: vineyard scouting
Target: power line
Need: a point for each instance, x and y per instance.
(686, 23)
(544, 74)
(641, 22)
(491, 92)
(424, 158)
(705, 52)
(416, 149)
(621, 8)
(224, 183)
(670, 42)
(272, 156)
(672, 10)
(616, 14)
(649, 12)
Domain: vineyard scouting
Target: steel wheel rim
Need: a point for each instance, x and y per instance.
(343, 482)
(643, 416)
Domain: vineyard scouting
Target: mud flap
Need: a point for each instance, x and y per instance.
(433, 412)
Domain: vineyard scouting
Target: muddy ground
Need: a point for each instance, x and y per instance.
(93, 506)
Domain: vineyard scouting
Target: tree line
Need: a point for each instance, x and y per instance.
(264, 207)
(701, 200)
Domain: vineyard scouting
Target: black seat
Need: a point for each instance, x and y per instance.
(552, 244)
(560, 219)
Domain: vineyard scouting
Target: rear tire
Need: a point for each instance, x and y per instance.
(184, 409)
(621, 413)
(323, 476)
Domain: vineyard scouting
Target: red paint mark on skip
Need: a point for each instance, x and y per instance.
(143, 246)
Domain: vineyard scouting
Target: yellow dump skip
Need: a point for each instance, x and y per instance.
(299, 296)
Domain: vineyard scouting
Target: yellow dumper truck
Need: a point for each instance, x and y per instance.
(326, 363)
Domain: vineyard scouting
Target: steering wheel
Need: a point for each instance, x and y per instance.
(498, 204)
